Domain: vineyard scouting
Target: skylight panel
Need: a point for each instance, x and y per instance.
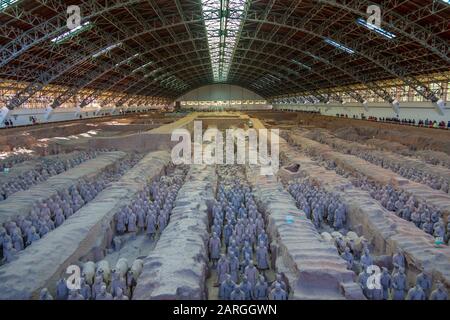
(162, 76)
(266, 80)
(256, 85)
(171, 81)
(223, 21)
(107, 49)
(153, 72)
(6, 4)
(273, 77)
(127, 60)
(446, 1)
(290, 71)
(317, 58)
(72, 33)
(301, 64)
(142, 67)
(373, 27)
(339, 46)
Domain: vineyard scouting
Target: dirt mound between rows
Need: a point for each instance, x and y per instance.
(434, 157)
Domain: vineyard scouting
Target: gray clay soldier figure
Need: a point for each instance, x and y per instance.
(278, 293)
(45, 295)
(261, 289)
(226, 288)
(214, 249)
(440, 293)
(237, 294)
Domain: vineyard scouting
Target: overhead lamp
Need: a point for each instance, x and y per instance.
(375, 28)
(4, 4)
(72, 33)
(107, 49)
(339, 46)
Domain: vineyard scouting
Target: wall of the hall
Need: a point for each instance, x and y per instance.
(408, 110)
(220, 92)
(21, 117)
(227, 93)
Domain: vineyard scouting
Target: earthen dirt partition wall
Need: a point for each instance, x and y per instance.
(23, 167)
(413, 137)
(383, 228)
(158, 138)
(223, 120)
(314, 268)
(17, 170)
(257, 124)
(128, 127)
(84, 236)
(352, 163)
(177, 267)
(400, 160)
(27, 137)
(155, 139)
(21, 203)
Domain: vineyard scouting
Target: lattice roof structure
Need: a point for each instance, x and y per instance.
(272, 47)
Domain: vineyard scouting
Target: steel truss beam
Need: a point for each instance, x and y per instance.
(425, 36)
(110, 65)
(356, 96)
(95, 75)
(349, 70)
(249, 75)
(321, 31)
(83, 55)
(45, 29)
(405, 27)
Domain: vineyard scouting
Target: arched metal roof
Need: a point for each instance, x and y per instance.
(169, 47)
